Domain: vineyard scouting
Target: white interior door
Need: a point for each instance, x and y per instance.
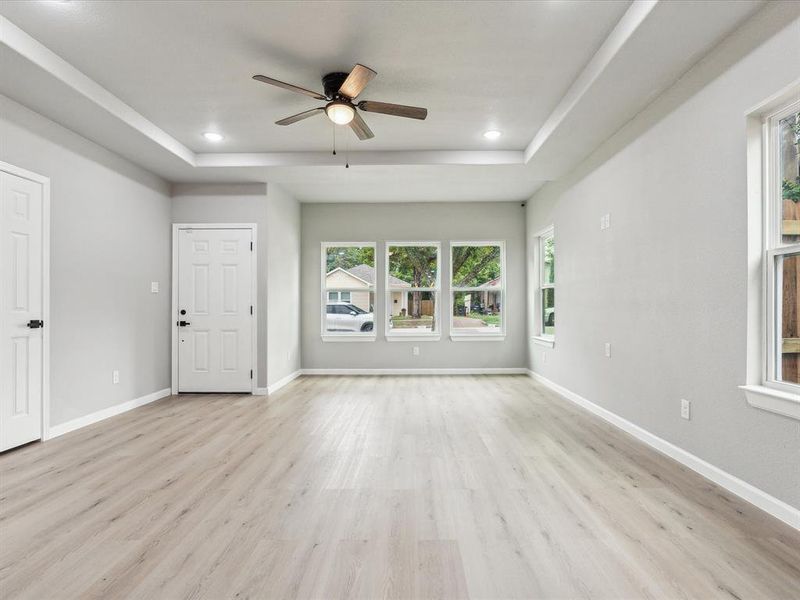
(215, 310)
(21, 358)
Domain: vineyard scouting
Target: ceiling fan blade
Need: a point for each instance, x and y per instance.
(289, 86)
(300, 116)
(358, 79)
(397, 110)
(360, 128)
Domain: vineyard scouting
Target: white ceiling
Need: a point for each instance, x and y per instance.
(184, 67)
(187, 66)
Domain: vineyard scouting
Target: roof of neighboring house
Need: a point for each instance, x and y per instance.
(367, 274)
(491, 283)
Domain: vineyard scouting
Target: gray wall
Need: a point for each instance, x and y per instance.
(666, 284)
(277, 216)
(283, 284)
(110, 237)
(399, 222)
(232, 203)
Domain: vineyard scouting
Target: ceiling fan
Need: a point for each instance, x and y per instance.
(341, 89)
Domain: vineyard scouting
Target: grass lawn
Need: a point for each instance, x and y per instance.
(488, 319)
(410, 322)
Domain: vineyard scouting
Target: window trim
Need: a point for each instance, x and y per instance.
(393, 335)
(540, 337)
(346, 336)
(774, 246)
(475, 334)
(764, 243)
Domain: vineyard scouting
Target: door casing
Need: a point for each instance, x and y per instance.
(176, 228)
(45, 183)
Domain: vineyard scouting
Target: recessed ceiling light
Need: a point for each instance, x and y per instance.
(492, 134)
(212, 136)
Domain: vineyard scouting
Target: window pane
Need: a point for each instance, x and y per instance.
(351, 317)
(789, 138)
(412, 266)
(477, 310)
(344, 296)
(476, 266)
(788, 366)
(349, 267)
(333, 296)
(549, 311)
(548, 260)
(412, 311)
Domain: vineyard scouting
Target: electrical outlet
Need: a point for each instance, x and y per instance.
(115, 376)
(602, 222)
(686, 409)
(153, 287)
(608, 349)
(415, 350)
(544, 357)
(605, 221)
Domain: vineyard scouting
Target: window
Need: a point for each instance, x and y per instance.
(783, 248)
(348, 291)
(412, 290)
(477, 290)
(547, 287)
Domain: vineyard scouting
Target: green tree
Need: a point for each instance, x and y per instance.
(475, 265)
(347, 257)
(417, 266)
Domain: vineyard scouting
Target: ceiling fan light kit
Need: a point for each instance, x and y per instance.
(340, 112)
(340, 91)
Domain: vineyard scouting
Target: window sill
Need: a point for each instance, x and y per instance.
(348, 338)
(413, 337)
(540, 340)
(478, 337)
(769, 399)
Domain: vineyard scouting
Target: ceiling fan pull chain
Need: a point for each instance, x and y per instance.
(334, 138)
(346, 152)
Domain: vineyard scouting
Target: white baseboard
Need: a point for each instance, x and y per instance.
(777, 508)
(476, 371)
(259, 391)
(282, 382)
(106, 413)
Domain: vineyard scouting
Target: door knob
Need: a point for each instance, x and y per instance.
(35, 323)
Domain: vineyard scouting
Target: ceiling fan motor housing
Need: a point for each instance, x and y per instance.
(332, 82)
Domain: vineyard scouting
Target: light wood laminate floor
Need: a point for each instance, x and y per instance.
(376, 487)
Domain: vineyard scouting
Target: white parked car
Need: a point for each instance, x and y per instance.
(342, 316)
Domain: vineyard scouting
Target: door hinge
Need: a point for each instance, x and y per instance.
(251, 246)
(251, 373)
(251, 309)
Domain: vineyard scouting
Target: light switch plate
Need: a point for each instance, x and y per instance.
(115, 376)
(608, 349)
(415, 350)
(154, 287)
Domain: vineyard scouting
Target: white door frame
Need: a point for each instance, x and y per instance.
(45, 183)
(176, 227)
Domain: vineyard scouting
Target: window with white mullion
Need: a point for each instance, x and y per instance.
(477, 288)
(348, 290)
(782, 185)
(412, 289)
(547, 284)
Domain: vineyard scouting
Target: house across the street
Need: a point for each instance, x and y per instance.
(363, 276)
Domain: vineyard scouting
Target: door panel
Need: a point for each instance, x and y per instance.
(21, 278)
(214, 288)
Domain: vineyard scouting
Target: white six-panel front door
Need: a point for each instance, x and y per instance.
(215, 333)
(21, 357)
